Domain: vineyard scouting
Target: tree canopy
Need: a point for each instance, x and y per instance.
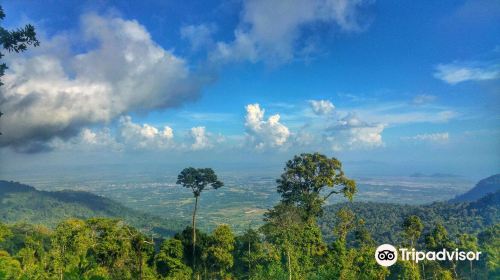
(289, 245)
(197, 179)
(309, 180)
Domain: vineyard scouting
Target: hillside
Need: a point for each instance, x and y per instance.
(482, 188)
(21, 203)
(385, 219)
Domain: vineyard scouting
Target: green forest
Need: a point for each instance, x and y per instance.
(50, 208)
(299, 239)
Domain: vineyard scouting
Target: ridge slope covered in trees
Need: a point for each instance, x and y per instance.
(21, 203)
(482, 188)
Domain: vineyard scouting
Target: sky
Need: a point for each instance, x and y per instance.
(387, 87)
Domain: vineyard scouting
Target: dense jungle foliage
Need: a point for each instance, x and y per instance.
(290, 244)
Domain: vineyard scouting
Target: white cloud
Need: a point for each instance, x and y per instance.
(431, 137)
(304, 138)
(455, 73)
(263, 133)
(145, 136)
(321, 107)
(134, 136)
(89, 140)
(351, 132)
(55, 94)
(88, 136)
(200, 138)
(270, 29)
(198, 35)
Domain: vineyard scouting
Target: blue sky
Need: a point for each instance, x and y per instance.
(387, 87)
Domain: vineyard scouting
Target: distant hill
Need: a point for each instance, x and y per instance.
(434, 175)
(21, 203)
(482, 188)
(385, 219)
(468, 213)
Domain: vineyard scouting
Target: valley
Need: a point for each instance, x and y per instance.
(243, 199)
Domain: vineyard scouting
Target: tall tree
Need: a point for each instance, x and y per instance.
(197, 179)
(220, 252)
(15, 41)
(10, 268)
(412, 227)
(489, 241)
(4, 232)
(437, 240)
(343, 257)
(307, 177)
(70, 242)
(170, 260)
(367, 266)
(467, 242)
(283, 227)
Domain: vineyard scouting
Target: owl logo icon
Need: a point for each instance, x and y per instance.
(386, 255)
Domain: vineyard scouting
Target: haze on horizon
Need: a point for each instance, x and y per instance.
(389, 89)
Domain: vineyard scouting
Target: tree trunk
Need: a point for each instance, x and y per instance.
(61, 271)
(413, 261)
(249, 261)
(423, 271)
(140, 261)
(470, 262)
(289, 265)
(194, 233)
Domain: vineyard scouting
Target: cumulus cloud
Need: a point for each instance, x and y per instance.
(100, 138)
(321, 107)
(89, 140)
(455, 73)
(200, 138)
(130, 135)
(270, 29)
(351, 132)
(430, 137)
(263, 133)
(144, 136)
(121, 69)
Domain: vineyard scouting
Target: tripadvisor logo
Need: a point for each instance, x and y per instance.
(387, 255)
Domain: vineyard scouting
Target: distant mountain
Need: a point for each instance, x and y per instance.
(21, 203)
(434, 175)
(482, 188)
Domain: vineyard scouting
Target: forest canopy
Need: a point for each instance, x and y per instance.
(296, 241)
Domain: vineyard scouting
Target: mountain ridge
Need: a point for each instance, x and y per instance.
(485, 186)
(23, 203)
(386, 219)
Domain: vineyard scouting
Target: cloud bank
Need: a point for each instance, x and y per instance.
(54, 94)
(145, 135)
(270, 29)
(351, 132)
